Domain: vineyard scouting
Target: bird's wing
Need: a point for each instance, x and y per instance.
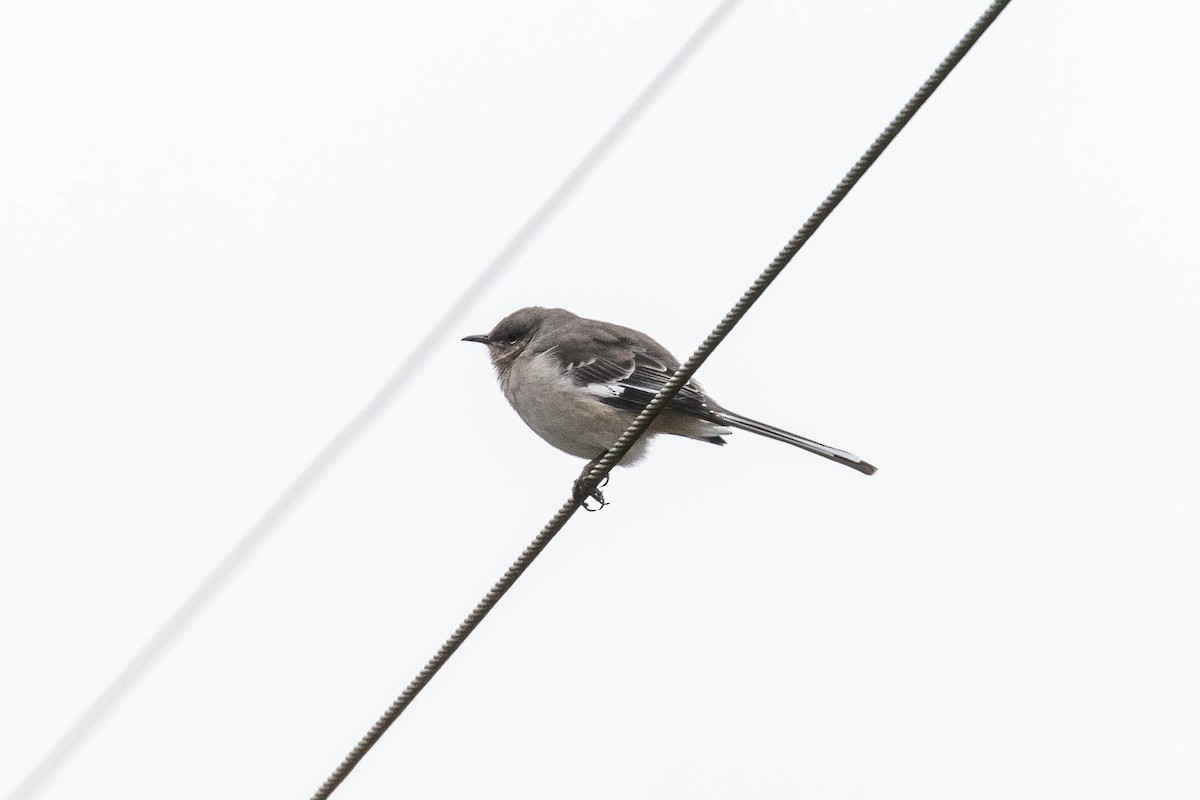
(626, 371)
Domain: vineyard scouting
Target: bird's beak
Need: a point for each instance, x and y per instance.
(481, 338)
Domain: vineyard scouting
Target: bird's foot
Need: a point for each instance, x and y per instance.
(582, 492)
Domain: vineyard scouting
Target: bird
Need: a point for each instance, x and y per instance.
(578, 383)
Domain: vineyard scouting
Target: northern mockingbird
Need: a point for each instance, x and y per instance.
(578, 383)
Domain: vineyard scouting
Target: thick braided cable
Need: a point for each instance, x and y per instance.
(655, 407)
(685, 372)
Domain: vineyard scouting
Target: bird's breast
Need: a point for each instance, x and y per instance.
(558, 410)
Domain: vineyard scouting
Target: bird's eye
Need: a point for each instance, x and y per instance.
(512, 339)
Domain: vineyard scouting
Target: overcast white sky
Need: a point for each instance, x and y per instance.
(224, 225)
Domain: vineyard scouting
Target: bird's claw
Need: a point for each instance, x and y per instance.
(583, 493)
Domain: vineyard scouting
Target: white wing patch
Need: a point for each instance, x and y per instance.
(604, 389)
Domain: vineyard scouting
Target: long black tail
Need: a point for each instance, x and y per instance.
(779, 435)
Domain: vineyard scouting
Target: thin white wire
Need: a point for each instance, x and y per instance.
(57, 756)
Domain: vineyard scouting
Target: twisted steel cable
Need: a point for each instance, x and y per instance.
(664, 396)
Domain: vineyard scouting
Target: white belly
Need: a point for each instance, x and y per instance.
(562, 413)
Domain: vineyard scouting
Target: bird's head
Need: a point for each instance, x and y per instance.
(511, 335)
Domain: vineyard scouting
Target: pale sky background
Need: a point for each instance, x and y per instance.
(225, 224)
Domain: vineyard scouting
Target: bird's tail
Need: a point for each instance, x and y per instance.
(780, 435)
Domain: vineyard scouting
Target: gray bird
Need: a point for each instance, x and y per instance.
(578, 383)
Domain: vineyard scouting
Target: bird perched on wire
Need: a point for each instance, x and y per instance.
(579, 383)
